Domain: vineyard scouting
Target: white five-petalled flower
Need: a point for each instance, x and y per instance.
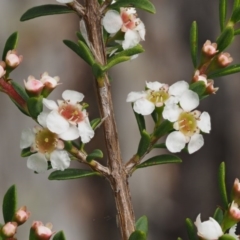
(46, 146)
(68, 118)
(209, 230)
(127, 22)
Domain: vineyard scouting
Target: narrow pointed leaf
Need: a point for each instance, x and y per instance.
(142, 224)
(225, 38)
(71, 173)
(222, 13)
(226, 237)
(95, 123)
(160, 145)
(144, 143)
(35, 106)
(59, 236)
(45, 10)
(97, 153)
(82, 50)
(161, 159)
(10, 44)
(222, 184)
(138, 235)
(237, 32)
(80, 37)
(26, 152)
(198, 87)
(20, 90)
(142, 4)
(140, 121)
(9, 206)
(164, 128)
(236, 4)
(190, 229)
(218, 215)
(194, 43)
(236, 15)
(225, 71)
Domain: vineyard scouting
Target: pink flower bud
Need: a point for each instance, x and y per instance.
(21, 215)
(33, 86)
(224, 59)
(210, 89)
(12, 59)
(236, 191)
(199, 77)
(42, 232)
(2, 69)
(209, 49)
(9, 229)
(234, 211)
(49, 83)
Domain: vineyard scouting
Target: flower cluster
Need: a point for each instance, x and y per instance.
(178, 103)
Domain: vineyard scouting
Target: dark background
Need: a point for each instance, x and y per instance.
(168, 194)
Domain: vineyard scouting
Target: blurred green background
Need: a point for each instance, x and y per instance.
(168, 194)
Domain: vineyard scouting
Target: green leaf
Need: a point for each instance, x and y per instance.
(226, 237)
(218, 215)
(97, 153)
(142, 4)
(59, 236)
(179, 238)
(142, 224)
(82, 50)
(123, 56)
(35, 106)
(20, 90)
(194, 43)
(140, 121)
(222, 185)
(236, 15)
(222, 13)
(237, 32)
(80, 37)
(138, 235)
(198, 87)
(95, 122)
(71, 173)
(190, 229)
(45, 10)
(236, 4)
(98, 70)
(9, 206)
(160, 145)
(225, 71)
(225, 38)
(164, 128)
(10, 44)
(144, 143)
(161, 159)
(26, 152)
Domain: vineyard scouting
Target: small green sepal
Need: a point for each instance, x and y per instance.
(225, 38)
(142, 224)
(225, 71)
(9, 206)
(194, 43)
(222, 13)
(97, 153)
(190, 229)
(222, 185)
(59, 236)
(71, 173)
(161, 159)
(138, 235)
(218, 215)
(45, 10)
(10, 44)
(26, 152)
(144, 143)
(35, 106)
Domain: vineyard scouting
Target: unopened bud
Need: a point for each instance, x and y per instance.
(2, 69)
(9, 229)
(199, 77)
(224, 59)
(210, 89)
(42, 232)
(33, 86)
(12, 59)
(234, 212)
(21, 215)
(49, 83)
(209, 49)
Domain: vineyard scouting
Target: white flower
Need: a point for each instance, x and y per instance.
(68, 119)
(232, 232)
(46, 146)
(209, 230)
(127, 21)
(64, 1)
(188, 124)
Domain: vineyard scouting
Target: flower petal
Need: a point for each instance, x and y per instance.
(133, 96)
(85, 130)
(189, 100)
(60, 160)
(50, 104)
(56, 123)
(84, 32)
(155, 86)
(143, 106)
(131, 39)
(178, 88)
(141, 30)
(204, 123)
(64, 1)
(27, 138)
(195, 143)
(73, 96)
(37, 162)
(71, 133)
(171, 112)
(175, 142)
(42, 119)
(112, 21)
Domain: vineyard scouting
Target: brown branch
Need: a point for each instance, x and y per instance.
(75, 5)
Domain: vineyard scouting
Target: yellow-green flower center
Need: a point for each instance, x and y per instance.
(158, 97)
(187, 123)
(46, 141)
